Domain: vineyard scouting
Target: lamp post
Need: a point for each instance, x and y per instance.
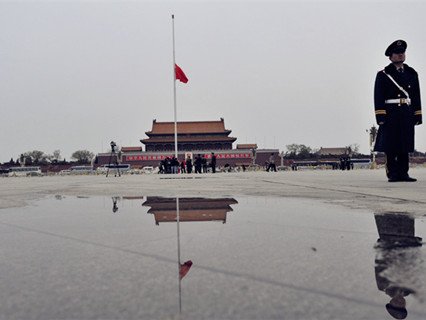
(373, 134)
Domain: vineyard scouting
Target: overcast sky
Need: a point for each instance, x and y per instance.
(78, 74)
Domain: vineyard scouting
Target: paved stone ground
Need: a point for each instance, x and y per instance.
(304, 249)
(364, 189)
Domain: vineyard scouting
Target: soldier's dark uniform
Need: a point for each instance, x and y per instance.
(397, 119)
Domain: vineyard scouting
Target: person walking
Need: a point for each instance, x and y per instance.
(271, 165)
(398, 109)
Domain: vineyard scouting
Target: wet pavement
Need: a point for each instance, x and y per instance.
(241, 257)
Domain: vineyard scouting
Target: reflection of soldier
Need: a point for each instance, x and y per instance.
(395, 260)
(114, 204)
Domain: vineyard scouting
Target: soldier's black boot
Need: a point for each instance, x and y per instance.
(407, 178)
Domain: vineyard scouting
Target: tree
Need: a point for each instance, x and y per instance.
(373, 135)
(299, 151)
(35, 156)
(56, 155)
(304, 152)
(82, 156)
(354, 148)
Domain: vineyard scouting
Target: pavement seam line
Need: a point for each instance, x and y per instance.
(344, 191)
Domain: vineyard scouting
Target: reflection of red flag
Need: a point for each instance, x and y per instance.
(184, 268)
(180, 75)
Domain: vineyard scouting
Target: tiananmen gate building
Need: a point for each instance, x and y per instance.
(193, 137)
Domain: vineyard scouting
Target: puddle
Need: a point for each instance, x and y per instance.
(217, 258)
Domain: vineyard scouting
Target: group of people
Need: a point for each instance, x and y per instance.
(345, 163)
(198, 165)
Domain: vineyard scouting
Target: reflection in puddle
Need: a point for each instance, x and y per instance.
(114, 204)
(397, 260)
(187, 210)
(190, 209)
(258, 258)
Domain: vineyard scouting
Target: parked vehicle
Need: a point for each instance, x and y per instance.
(65, 172)
(4, 172)
(81, 169)
(24, 171)
(148, 169)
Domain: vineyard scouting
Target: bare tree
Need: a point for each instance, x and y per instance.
(56, 155)
(354, 148)
(373, 135)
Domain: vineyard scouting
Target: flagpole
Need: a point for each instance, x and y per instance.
(178, 252)
(174, 84)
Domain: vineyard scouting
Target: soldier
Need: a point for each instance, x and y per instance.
(398, 110)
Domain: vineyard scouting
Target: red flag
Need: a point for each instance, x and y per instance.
(180, 75)
(184, 268)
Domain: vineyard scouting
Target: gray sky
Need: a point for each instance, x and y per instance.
(78, 74)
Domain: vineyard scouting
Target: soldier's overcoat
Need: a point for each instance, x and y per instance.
(396, 133)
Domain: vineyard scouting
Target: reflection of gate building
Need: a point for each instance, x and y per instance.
(190, 209)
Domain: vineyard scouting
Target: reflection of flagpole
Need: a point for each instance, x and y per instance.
(174, 84)
(178, 250)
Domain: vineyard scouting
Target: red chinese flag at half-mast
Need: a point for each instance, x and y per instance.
(180, 75)
(184, 269)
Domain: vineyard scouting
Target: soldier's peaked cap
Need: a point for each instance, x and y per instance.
(398, 46)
